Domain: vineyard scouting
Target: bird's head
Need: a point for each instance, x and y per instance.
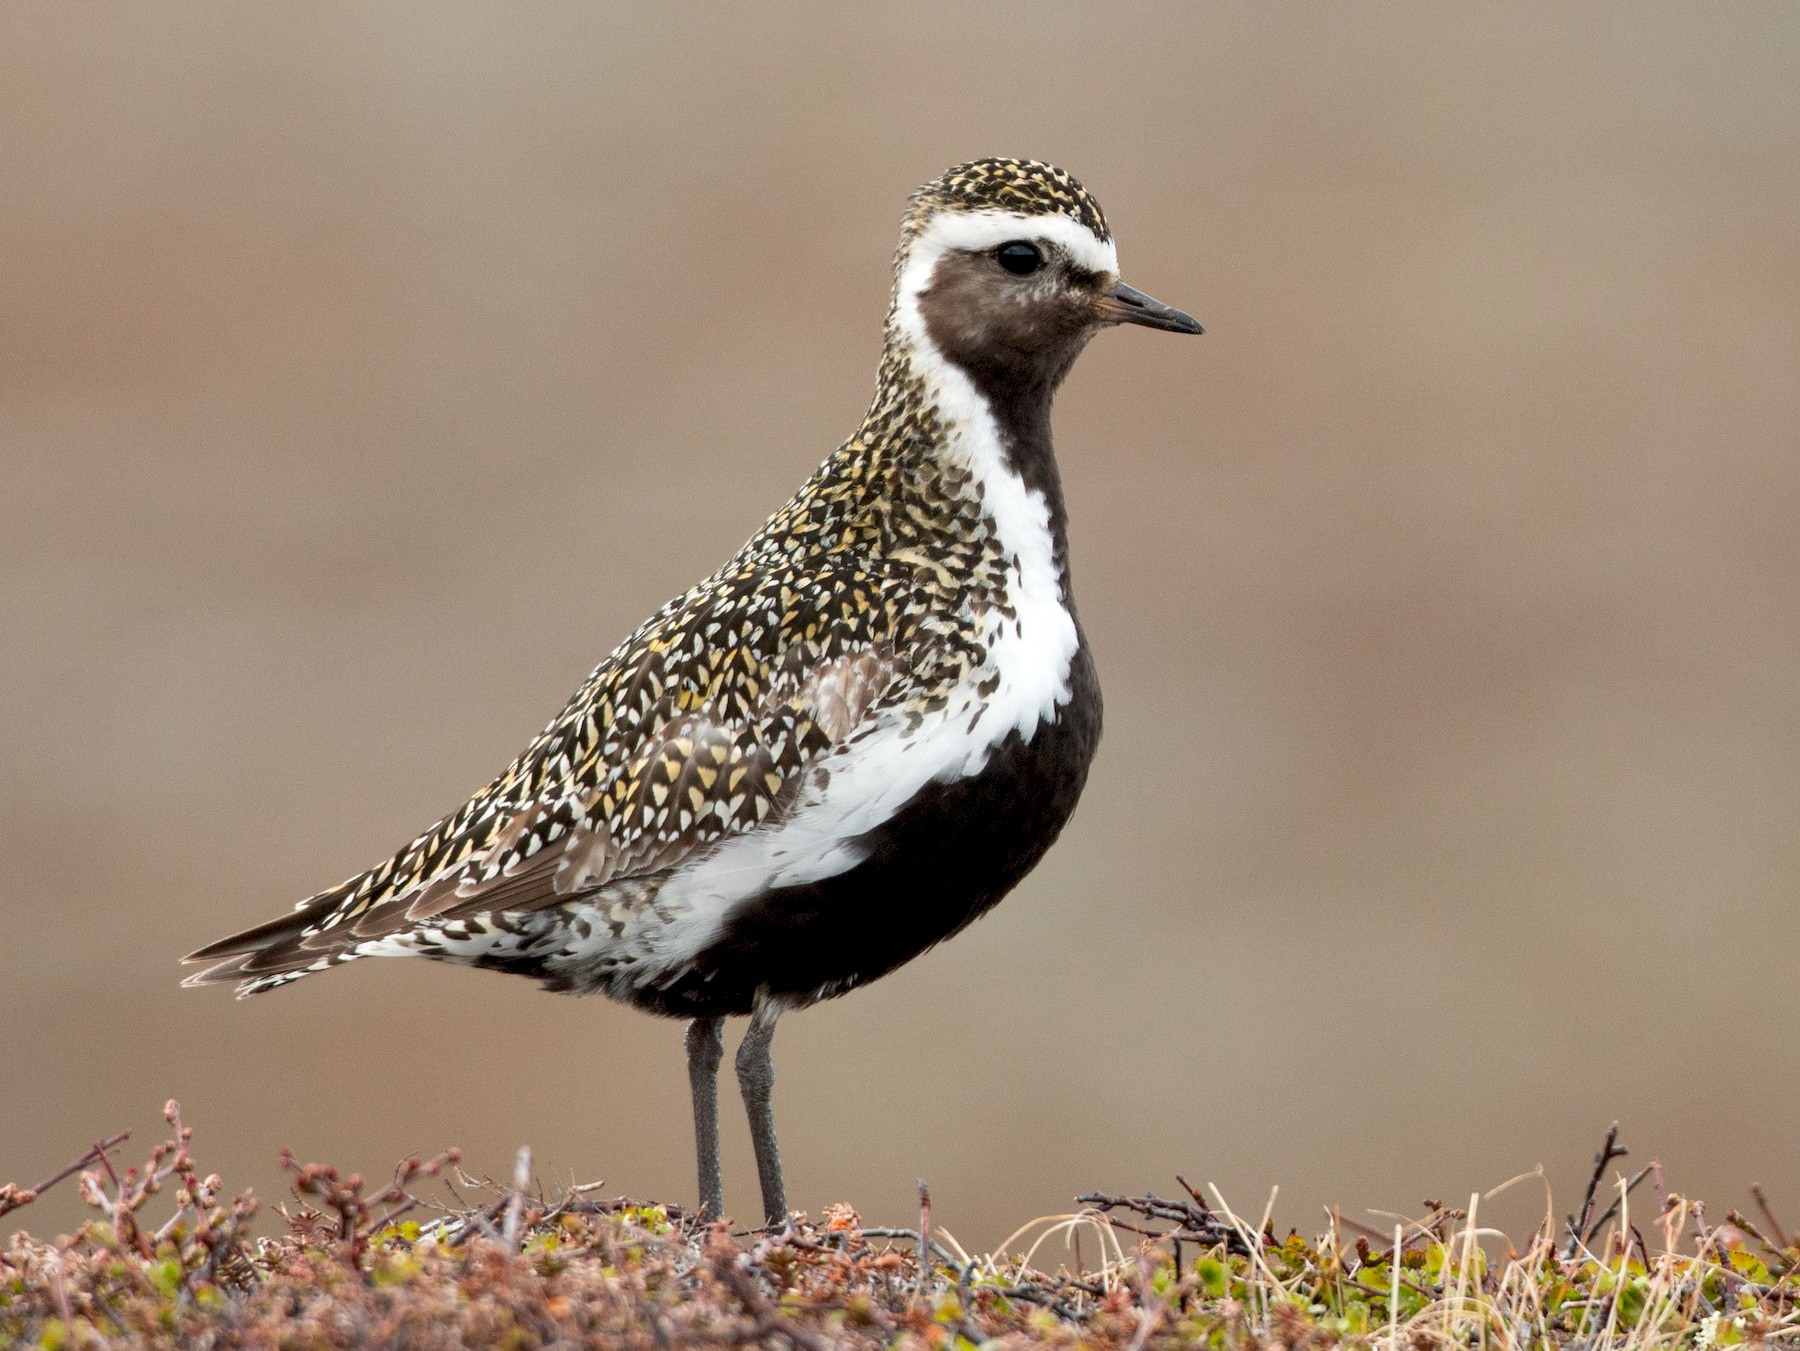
(1006, 268)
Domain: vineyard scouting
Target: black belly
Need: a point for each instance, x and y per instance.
(946, 857)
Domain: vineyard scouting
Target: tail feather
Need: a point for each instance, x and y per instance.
(256, 939)
(230, 969)
(269, 954)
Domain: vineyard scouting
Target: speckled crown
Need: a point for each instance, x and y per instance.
(1022, 185)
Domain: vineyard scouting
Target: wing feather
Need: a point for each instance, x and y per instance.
(710, 764)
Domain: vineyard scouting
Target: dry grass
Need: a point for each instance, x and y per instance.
(169, 1260)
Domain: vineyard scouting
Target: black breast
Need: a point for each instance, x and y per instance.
(956, 848)
(947, 856)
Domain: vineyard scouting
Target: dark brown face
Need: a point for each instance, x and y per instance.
(1015, 315)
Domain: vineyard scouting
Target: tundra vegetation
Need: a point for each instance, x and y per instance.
(172, 1258)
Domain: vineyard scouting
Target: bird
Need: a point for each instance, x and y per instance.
(842, 747)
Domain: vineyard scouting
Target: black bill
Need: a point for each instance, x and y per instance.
(1128, 305)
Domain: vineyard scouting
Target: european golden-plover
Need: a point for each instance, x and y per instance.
(843, 746)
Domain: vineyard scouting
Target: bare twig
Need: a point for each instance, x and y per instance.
(12, 1198)
(1775, 1225)
(1611, 1210)
(1580, 1231)
(912, 1235)
(1194, 1221)
(1744, 1222)
(757, 1305)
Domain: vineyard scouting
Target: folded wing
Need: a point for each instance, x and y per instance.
(678, 742)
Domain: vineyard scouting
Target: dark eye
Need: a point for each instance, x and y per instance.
(1019, 258)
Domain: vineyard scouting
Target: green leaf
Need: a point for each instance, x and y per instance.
(1213, 1276)
(1632, 1297)
(1748, 1264)
(166, 1275)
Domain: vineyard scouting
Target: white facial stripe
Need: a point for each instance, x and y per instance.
(978, 231)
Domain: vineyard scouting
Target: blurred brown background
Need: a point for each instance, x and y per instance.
(367, 372)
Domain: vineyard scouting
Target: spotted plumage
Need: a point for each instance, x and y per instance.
(1024, 186)
(849, 741)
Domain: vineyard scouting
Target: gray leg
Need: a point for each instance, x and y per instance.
(756, 1077)
(705, 1048)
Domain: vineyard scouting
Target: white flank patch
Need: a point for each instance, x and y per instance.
(869, 778)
